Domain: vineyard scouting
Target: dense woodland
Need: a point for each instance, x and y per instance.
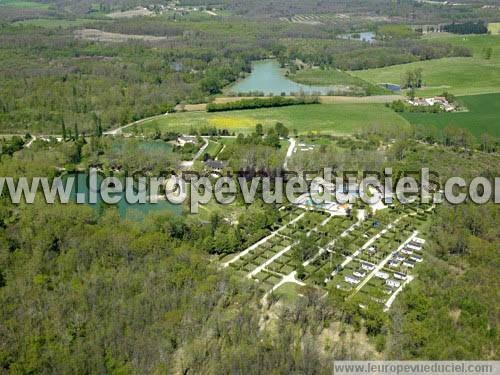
(85, 291)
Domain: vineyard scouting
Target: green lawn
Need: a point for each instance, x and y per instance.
(458, 75)
(334, 77)
(213, 148)
(483, 116)
(325, 118)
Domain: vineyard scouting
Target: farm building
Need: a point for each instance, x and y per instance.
(186, 139)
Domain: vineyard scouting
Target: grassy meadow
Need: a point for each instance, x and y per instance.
(324, 118)
(334, 77)
(458, 75)
(482, 117)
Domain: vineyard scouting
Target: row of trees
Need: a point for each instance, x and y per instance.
(275, 101)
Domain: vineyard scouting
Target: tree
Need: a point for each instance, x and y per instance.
(259, 130)
(63, 129)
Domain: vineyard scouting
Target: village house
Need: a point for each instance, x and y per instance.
(440, 101)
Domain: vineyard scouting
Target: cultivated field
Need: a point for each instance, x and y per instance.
(458, 75)
(494, 27)
(325, 118)
(483, 115)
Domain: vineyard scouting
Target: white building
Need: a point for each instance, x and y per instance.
(186, 139)
(382, 275)
(407, 251)
(409, 263)
(393, 283)
(367, 266)
(359, 273)
(400, 276)
(351, 279)
(416, 258)
(413, 247)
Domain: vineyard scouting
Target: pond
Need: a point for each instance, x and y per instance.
(391, 86)
(268, 77)
(367, 36)
(125, 209)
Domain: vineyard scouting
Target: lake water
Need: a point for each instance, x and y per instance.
(268, 77)
(367, 36)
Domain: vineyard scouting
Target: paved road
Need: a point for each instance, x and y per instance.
(119, 130)
(289, 152)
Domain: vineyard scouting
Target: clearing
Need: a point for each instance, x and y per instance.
(103, 36)
(138, 12)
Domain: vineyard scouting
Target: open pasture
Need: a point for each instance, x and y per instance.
(324, 118)
(482, 116)
(457, 75)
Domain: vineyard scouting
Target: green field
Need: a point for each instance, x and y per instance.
(334, 77)
(483, 116)
(458, 75)
(325, 118)
(494, 27)
(24, 4)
